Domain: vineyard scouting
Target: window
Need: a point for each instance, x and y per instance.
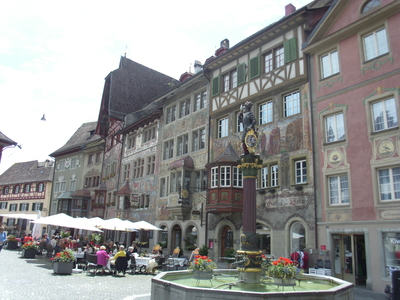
(171, 114)
(389, 183)
(239, 125)
(23, 206)
(301, 171)
(229, 80)
(61, 165)
(183, 144)
(151, 163)
(73, 162)
(225, 176)
(3, 205)
(149, 134)
(201, 180)
(334, 128)
(329, 64)
(291, 104)
(269, 176)
(384, 114)
(199, 139)
(72, 185)
(131, 142)
(338, 189)
(173, 183)
(264, 177)
(375, 44)
(27, 188)
(168, 149)
(17, 189)
(214, 177)
(40, 187)
(13, 207)
(127, 172)
(63, 185)
(268, 62)
(184, 108)
(200, 100)
(138, 167)
(237, 177)
(5, 190)
(88, 182)
(37, 206)
(223, 127)
(265, 110)
(91, 159)
(98, 157)
(274, 176)
(279, 57)
(391, 242)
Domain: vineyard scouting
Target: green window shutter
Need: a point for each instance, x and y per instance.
(215, 86)
(241, 73)
(290, 49)
(254, 67)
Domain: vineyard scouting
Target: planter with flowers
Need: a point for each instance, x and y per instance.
(202, 267)
(63, 262)
(12, 242)
(29, 250)
(283, 271)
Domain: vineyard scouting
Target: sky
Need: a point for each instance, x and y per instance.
(54, 56)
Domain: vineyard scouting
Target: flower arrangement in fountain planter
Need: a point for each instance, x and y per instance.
(30, 245)
(202, 264)
(66, 255)
(282, 268)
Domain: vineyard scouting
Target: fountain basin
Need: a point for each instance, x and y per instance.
(181, 285)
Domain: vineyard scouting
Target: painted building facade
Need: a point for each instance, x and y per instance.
(355, 99)
(270, 70)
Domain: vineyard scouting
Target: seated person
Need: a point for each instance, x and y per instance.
(120, 260)
(27, 238)
(103, 259)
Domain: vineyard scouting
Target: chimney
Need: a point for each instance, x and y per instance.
(225, 44)
(197, 67)
(289, 9)
(224, 47)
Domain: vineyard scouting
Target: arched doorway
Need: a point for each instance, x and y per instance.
(226, 240)
(297, 237)
(176, 237)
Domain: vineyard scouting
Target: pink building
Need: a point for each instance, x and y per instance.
(355, 101)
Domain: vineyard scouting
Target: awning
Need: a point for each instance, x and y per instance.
(186, 162)
(65, 195)
(126, 189)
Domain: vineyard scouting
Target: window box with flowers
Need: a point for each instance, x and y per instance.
(29, 250)
(283, 271)
(202, 267)
(63, 262)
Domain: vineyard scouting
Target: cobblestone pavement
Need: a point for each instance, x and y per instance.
(22, 278)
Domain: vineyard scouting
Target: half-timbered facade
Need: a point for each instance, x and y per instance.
(25, 188)
(270, 70)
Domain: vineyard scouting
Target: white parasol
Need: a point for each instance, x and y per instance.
(143, 225)
(64, 220)
(37, 228)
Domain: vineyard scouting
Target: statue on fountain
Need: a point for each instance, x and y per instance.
(249, 136)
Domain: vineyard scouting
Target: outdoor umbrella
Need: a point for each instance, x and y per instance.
(37, 227)
(20, 216)
(64, 220)
(143, 225)
(117, 224)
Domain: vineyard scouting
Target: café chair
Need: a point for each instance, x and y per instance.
(91, 264)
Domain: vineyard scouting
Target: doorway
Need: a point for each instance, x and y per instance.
(226, 240)
(350, 261)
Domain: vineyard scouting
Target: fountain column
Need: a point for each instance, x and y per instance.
(250, 163)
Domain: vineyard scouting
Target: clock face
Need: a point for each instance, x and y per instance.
(184, 194)
(386, 148)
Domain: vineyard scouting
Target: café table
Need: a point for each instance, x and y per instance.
(175, 262)
(146, 263)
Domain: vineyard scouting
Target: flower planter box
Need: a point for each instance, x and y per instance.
(12, 245)
(284, 281)
(29, 253)
(63, 267)
(201, 275)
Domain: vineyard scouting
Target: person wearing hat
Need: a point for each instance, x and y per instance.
(103, 259)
